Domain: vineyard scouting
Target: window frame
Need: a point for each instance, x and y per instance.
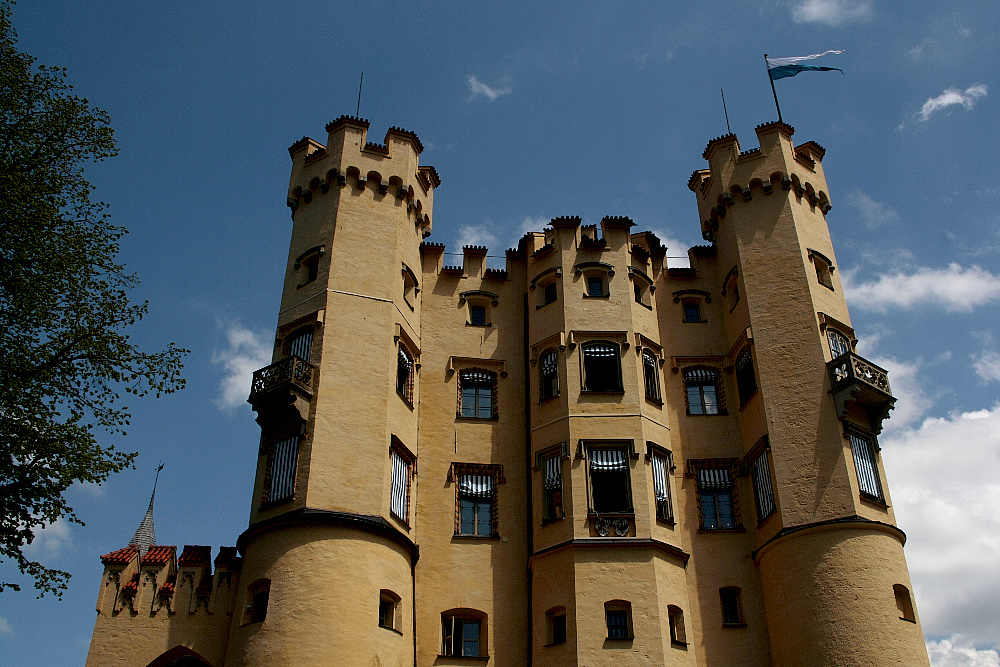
(841, 339)
(405, 384)
(398, 452)
(627, 449)
(643, 288)
(411, 287)
(292, 347)
(556, 632)
(762, 480)
(479, 299)
(619, 611)
(310, 260)
(731, 288)
(282, 449)
(824, 268)
(716, 478)
(467, 617)
(864, 452)
(651, 375)
(731, 604)
(550, 462)
(548, 375)
(746, 375)
(478, 501)
(586, 373)
(675, 619)
(691, 380)
(390, 611)
(595, 271)
(904, 603)
(486, 379)
(664, 501)
(258, 597)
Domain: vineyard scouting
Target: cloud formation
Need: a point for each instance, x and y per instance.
(50, 539)
(477, 87)
(5, 628)
(945, 492)
(955, 289)
(874, 214)
(833, 13)
(247, 351)
(952, 97)
(958, 651)
(987, 366)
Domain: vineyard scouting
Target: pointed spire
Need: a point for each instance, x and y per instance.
(145, 535)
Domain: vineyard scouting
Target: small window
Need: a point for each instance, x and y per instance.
(642, 287)
(610, 486)
(675, 615)
(477, 394)
(476, 499)
(746, 380)
(692, 311)
(477, 316)
(389, 610)
(552, 486)
(549, 294)
(618, 614)
(548, 375)
(463, 634)
(299, 343)
(904, 603)
(824, 269)
(595, 286)
(732, 606)
(555, 626)
(404, 374)
(703, 391)
(731, 289)
(307, 265)
(662, 465)
(410, 286)
(651, 375)
(402, 473)
(480, 307)
(760, 472)
(716, 493)
(258, 595)
(839, 344)
(863, 448)
(282, 462)
(601, 366)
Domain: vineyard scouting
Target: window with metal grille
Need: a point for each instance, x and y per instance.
(732, 605)
(692, 311)
(717, 499)
(760, 472)
(651, 375)
(281, 469)
(839, 344)
(299, 344)
(703, 391)
(618, 614)
(864, 448)
(549, 375)
(477, 394)
(746, 380)
(399, 502)
(595, 286)
(610, 491)
(553, 486)
(661, 485)
(404, 374)
(477, 316)
(463, 635)
(601, 366)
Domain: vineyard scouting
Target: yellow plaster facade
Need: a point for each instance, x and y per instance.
(584, 458)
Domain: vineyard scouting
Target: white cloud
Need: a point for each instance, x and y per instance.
(874, 214)
(477, 87)
(958, 651)
(5, 628)
(945, 492)
(50, 539)
(247, 351)
(832, 12)
(912, 403)
(955, 289)
(951, 97)
(481, 234)
(987, 365)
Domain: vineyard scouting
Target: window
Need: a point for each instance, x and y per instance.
(760, 472)
(676, 618)
(717, 501)
(476, 498)
(692, 311)
(746, 381)
(650, 375)
(824, 268)
(863, 447)
(548, 375)
(463, 631)
(477, 394)
(839, 344)
(307, 265)
(258, 594)
(601, 366)
(704, 391)
(731, 289)
(282, 462)
(410, 286)
(299, 344)
(389, 610)
(904, 603)
(596, 277)
(732, 606)
(402, 470)
(552, 486)
(595, 286)
(404, 375)
(610, 488)
(480, 304)
(477, 316)
(618, 614)
(555, 626)
(662, 465)
(642, 287)
(549, 293)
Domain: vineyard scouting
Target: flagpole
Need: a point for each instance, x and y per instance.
(773, 91)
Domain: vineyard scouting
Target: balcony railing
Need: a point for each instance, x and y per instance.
(291, 372)
(856, 380)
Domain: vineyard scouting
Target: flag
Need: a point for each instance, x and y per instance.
(779, 68)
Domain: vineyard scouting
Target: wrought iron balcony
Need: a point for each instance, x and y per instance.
(290, 373)
(855, 380)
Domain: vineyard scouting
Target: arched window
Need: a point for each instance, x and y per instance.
(548, 375)
(389, 610)
(651, 375)
(404, 374)
(410, 286)
(704, 391)
(904, 603)
(601, 366)
(477, 394)
(824, 268)
(839, 343)
(463, 633)
(307, 265)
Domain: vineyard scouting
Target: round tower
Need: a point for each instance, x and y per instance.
(332, 512)
(834, 579)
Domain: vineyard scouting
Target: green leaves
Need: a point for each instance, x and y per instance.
(64, 309)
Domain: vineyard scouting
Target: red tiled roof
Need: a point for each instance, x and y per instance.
(194, 555)
(120, 557)
(159, 555)
(132, 586)
(167, 589)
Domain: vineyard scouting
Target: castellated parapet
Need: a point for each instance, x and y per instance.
(589, 456)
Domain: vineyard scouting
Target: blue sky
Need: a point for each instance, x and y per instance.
(581, 109)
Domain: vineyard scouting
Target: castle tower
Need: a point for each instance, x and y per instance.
(830, 558)
(337, 410)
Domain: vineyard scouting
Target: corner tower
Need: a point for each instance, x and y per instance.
(829, 554)
(337, 409)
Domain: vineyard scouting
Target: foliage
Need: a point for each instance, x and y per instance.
(64, 311)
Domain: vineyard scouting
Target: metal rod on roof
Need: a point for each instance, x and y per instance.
(361, 83)
(729, 131)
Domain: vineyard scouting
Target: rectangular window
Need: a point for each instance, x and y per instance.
(601, 366)
(610, 491)
(477, 394)
(650, 375)
(760, 472)
(704, 395)
(676, 618)
(661, 486)
(746, 380)
(558, 628)
(400, 501)
(595, 286)
(549, 294)
(865, 463)
(617, 624)
(284, 457)
(461, 637)
(732, 606)
(692, 312)
(552, 469)
(717, 499)
(476, 497)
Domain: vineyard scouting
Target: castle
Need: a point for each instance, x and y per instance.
(586, 458)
